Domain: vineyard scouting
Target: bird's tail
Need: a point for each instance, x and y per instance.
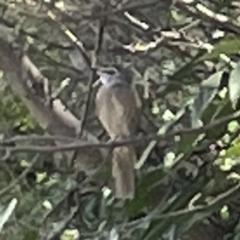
(124, 159)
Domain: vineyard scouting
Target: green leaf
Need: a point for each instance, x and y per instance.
(234, 85)
(225, 46)
(207, 92)
(188, 222)
(30, 235)
(158, 227)
(216, 110)
(233, 151)
(7, 213)
(143, 194)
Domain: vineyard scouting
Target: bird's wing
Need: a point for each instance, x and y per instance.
(116, 109)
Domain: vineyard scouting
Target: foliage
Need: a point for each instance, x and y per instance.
(184, 57)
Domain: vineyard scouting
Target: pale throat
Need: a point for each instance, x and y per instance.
(109, 80)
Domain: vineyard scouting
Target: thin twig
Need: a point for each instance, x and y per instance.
(210, 206)
(201, 11)
(70, 36)
(93, 73)
(59, 204)
(63, 225)
(91, 81)
(50, 138)
(125, 8)
(113, 144)
(20, 178)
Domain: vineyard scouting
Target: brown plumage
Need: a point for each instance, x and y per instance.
(118, 108)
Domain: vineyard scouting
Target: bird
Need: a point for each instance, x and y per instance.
(118, 107)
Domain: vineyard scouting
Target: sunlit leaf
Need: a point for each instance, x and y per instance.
(4, 217)
(234, 85)
(233, 151)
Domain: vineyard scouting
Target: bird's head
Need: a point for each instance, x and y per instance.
(114, 75)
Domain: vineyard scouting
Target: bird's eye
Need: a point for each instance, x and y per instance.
(110, 71)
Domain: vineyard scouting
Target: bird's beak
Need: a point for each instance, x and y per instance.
(96, 83)
(101, 74)
(98, 80)
(98, 72)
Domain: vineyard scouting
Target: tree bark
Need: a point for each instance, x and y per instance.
(24, 78)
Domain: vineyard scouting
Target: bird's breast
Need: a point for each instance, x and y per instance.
(117, 110)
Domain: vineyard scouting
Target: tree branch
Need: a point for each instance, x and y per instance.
(55, 119)
(79, 144)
